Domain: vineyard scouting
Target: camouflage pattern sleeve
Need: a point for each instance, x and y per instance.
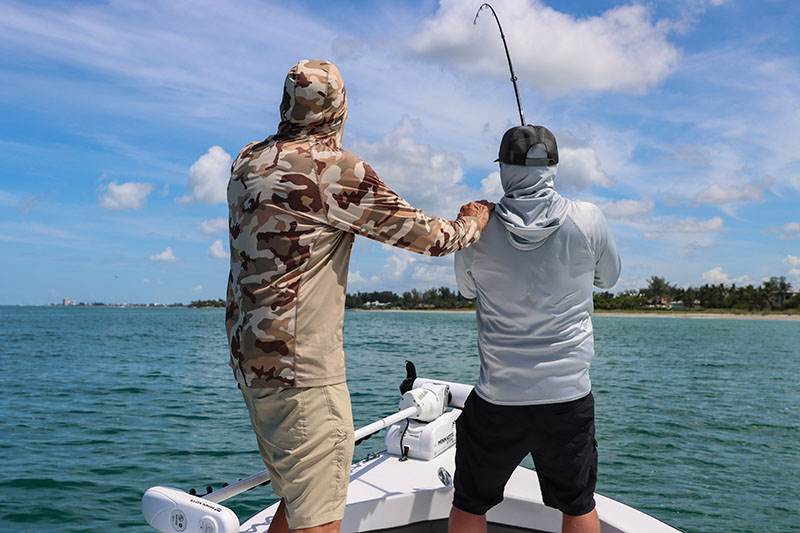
(357, 201)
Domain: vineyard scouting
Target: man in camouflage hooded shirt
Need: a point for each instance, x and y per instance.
(296, 200)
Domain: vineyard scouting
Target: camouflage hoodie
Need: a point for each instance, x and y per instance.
(295, 202)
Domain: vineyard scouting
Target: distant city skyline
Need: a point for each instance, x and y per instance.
(681, 120)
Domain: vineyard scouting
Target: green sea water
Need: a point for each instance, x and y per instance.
(698, 420)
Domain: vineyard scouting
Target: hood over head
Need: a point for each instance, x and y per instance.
(531, 210)
(314, 103)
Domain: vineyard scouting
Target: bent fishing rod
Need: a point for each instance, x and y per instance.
(508, 56)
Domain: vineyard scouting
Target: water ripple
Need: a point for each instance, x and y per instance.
(697, 420)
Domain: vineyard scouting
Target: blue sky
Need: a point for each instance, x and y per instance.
(681, 119)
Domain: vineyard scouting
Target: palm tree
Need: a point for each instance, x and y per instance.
(778, 289)
(659, 289)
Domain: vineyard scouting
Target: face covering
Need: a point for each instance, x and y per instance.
(531, 210)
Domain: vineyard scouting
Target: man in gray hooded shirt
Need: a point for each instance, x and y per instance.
(532, 273)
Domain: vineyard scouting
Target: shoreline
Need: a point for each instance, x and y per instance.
(634, 314)
(701, 314)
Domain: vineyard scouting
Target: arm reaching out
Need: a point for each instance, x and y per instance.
(356, 200)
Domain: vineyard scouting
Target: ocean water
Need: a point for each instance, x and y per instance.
(698, 420)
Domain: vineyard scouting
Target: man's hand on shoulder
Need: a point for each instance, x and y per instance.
(480, 210)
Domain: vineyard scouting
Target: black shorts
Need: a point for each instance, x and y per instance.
(492, 440)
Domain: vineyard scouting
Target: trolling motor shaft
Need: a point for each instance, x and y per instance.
(508, 56)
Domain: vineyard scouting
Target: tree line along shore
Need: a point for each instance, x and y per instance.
(774, 295)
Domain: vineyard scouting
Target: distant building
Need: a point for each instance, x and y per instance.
(780, 297)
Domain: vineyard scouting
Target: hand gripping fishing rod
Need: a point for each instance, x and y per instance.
(508, 56)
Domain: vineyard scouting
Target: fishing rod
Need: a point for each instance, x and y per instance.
(508, 56)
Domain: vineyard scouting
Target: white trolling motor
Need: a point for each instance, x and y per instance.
(431, 432)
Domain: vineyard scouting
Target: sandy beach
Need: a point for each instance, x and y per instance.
(733, 316)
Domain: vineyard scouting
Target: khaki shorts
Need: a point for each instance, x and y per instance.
(305, 436)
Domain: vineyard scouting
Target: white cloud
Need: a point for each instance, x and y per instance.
(578, 168)
(620, 50)
(792, 263)
(689, 11)
(718, 275)
(692, 154)
(123, 196)
(430, 274)
(791, 226)
(217, 251)
(694, 225)
(398, 262)
(689, 233)
(197, 288)
(627, 208)
(429, 179)
(215, 225)
(788, 232)
(492, 187)
(184, 55)
(354, 277)
(403, 270)
(629, 283)
(760, 136)
(208, 177)
(166, 256)
(719, 194)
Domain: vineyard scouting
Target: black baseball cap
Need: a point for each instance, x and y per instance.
(515, 148)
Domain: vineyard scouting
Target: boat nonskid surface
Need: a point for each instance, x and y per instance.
(386, 493)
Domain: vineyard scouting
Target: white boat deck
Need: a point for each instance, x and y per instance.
(387, 494)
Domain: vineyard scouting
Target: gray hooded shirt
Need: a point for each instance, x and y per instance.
(532, 272)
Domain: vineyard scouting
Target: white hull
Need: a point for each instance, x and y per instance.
(388, 494)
